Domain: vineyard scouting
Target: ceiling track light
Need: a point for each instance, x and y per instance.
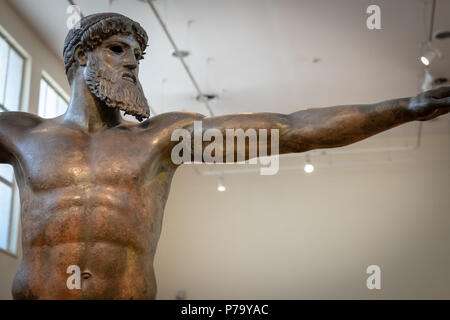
(445, 34)
(175, 49)
(206, 97)
(181, 53)
(309, 168)
(220, 185)
(430, 55)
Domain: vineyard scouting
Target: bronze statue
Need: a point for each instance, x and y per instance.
(93, 186)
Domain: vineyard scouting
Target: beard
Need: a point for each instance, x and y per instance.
(110, 87)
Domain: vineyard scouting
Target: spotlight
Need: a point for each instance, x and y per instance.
(220, 185)
(430, 55)
(308, 168)
(425, 60)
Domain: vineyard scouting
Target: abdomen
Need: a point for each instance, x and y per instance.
(106, 271)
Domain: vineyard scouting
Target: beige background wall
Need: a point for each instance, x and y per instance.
(298, 236)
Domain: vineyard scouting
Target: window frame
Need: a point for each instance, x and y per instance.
(12, 46)
(55, 87)
(14, 211)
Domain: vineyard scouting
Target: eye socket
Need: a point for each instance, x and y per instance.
(138, 56)
(116, 49)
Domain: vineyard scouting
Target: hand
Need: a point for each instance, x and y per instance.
(430, 104)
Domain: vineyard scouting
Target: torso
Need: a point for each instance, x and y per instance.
(96, 201)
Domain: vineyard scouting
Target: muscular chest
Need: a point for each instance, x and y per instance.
(59, 158)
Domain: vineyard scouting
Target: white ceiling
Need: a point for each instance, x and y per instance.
(258, 55)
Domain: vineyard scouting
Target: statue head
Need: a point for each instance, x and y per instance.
(105, 50)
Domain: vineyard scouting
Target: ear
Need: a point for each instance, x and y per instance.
(81, 56)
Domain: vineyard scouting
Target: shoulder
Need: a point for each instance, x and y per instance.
(176, 116)
(13, 125)
(17, 122)
(176, 119)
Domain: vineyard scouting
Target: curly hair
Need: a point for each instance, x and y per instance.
(96, 28)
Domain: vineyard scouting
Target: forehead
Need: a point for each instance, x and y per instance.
(127, 39)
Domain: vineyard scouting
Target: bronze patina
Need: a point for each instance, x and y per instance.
(93, 186)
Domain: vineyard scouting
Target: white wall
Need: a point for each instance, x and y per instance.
(39, 58)
(298, 236)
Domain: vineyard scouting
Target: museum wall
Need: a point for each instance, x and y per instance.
(300, 236)
(40, 59)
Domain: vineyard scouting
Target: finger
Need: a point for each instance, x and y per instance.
(439, 93)
(436, 113)
(441, 103)
(440, 111)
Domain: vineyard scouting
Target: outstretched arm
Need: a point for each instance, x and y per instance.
(333, 126)
(343, 125)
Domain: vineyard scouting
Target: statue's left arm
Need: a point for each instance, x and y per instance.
(335, 126)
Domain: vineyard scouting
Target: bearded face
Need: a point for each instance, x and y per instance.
(116, 85)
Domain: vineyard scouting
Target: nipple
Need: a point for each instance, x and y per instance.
(86, 275)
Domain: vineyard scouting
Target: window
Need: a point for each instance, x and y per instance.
(7, 208)
(11, 75)
(51, 103)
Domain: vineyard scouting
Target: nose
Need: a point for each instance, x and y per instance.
(131, 65)
(131, 62)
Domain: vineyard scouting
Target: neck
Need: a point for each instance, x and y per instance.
(87, 111)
